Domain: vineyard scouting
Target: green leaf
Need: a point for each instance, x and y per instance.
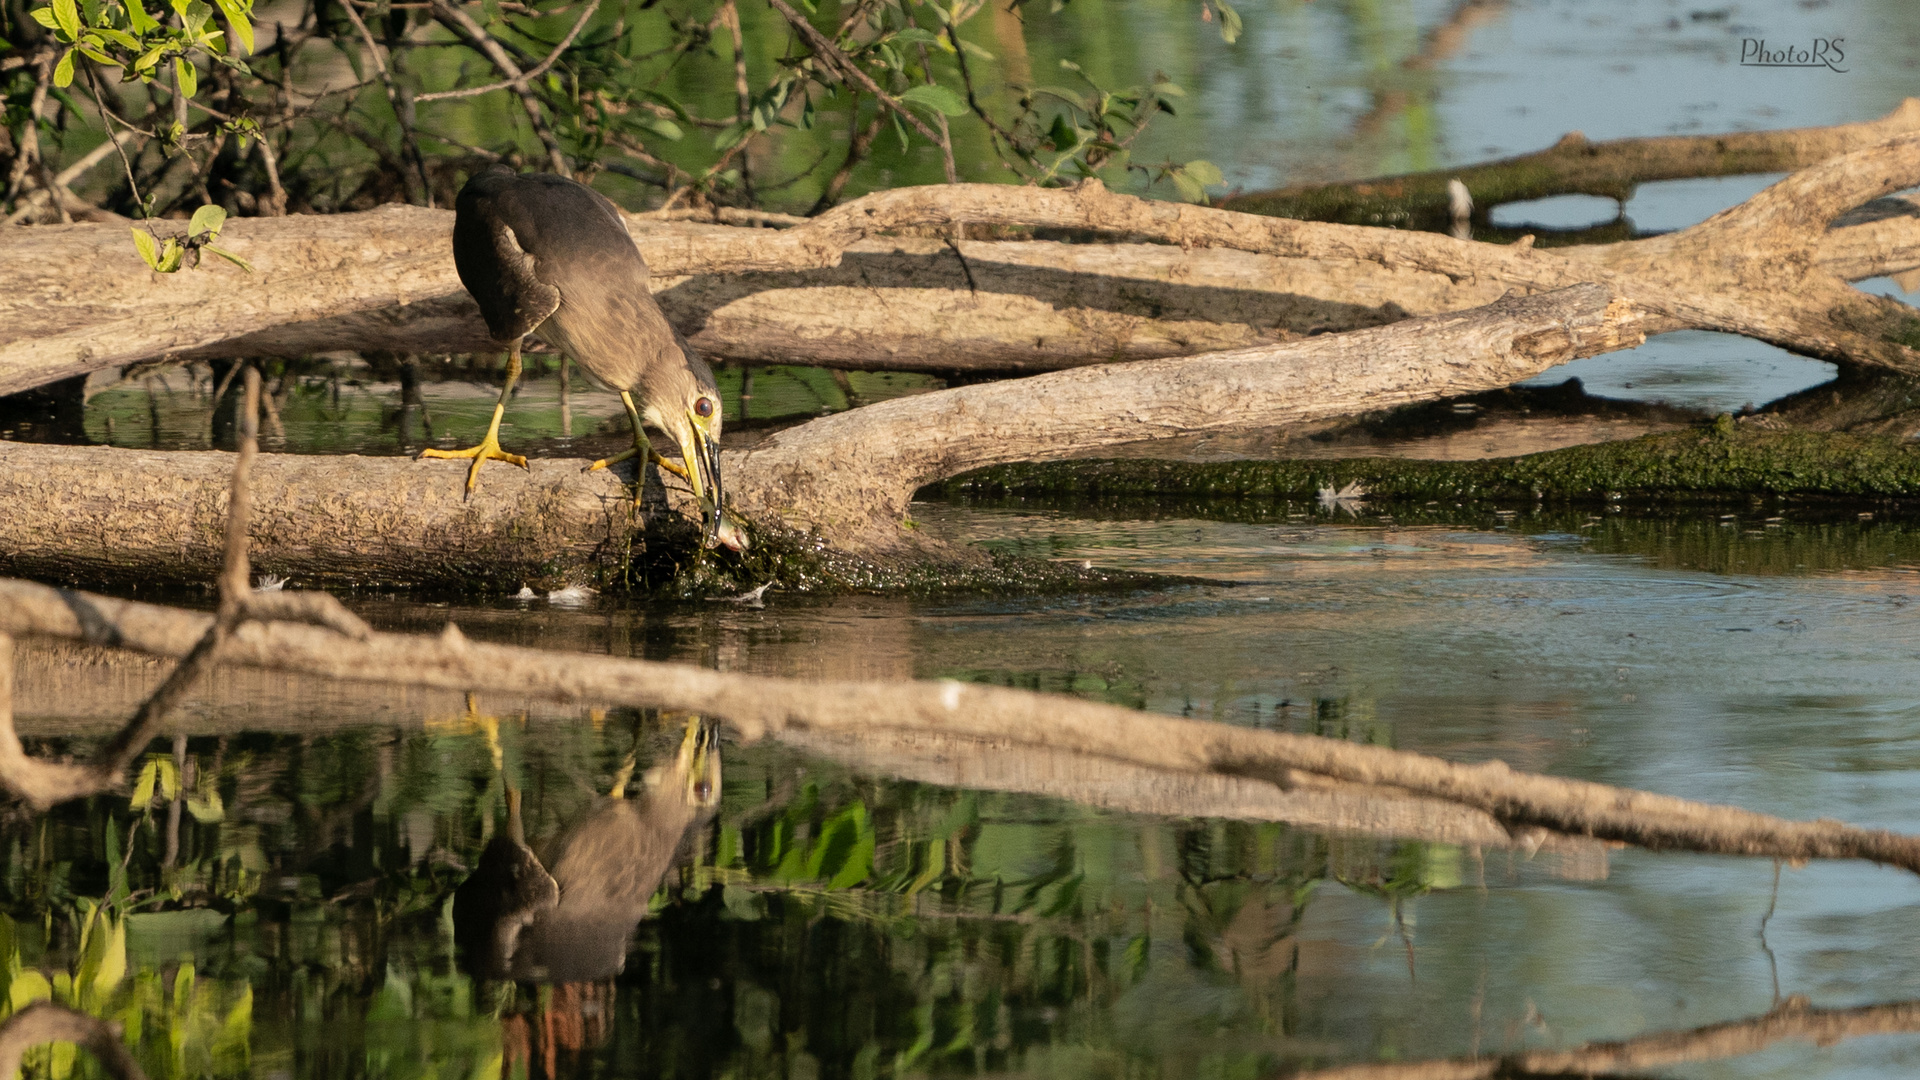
(913, 35)
(975, 50)
(113, 962)
(730, 136)
(119, 37)
(1205, 173)
(138, 18)
(1063, 135)
(214, 808)
(92, 52)
(149, 58)
(44, 16)
(63, 71)
(237, 20)
(170, 776)
(143, 790)
(1229, 22)
(208, 219)
(188, 78)
(68, 13)
(899, 129)
(936, 97)
(662, 127)
(679, 110)
(180, 8)
(28, 987)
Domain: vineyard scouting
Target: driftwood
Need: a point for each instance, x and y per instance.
(91, 512)
(762, 706)
(78, 299)
(1794, 1019)
(1575, 166)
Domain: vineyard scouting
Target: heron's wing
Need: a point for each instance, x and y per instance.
(501, 276)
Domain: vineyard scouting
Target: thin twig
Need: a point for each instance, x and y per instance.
(940, 118)
(742, 93)
(857, 146)
(423, 192)
(849, 71)
(531, 73)
(461, 23)
(27, 150)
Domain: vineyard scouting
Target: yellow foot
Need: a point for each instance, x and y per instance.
(677, 470)
(489, 449)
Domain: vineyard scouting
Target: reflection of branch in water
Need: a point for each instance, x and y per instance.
(1793, 1019)
(43, 783)
(1529, 807)
(1439, 43)
(1773, 901)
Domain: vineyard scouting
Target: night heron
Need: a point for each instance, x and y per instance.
(569, 919)
(546, 256)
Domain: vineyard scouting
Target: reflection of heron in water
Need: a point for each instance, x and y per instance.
(569, 919)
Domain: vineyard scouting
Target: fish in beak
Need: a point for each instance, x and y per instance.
(701, 453)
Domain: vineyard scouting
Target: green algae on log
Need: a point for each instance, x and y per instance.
(1726, 460)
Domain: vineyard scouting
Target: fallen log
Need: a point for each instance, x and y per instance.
(757, 707)
(78, 298)
(1574, 166)
(93, 513)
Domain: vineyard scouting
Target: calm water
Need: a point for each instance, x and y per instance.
(865, 911)
(856, 916)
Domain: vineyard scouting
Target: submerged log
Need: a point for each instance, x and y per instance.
(832, 292)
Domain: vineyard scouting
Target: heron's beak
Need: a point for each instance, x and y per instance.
(702, 455)
(699, 757)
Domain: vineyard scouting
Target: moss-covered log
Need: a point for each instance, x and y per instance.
(1728, 460)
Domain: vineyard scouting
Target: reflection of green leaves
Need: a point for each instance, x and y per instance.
(158, 771)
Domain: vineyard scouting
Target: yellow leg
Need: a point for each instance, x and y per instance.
(489, 447)
(640, 444)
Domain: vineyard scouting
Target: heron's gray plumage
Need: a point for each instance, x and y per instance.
(547, 256)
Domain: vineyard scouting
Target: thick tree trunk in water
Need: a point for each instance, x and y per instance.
(78, 299)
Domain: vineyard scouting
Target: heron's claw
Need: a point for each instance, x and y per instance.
(624, 455)
(489, 449)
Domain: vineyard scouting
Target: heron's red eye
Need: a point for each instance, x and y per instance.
(703, 407)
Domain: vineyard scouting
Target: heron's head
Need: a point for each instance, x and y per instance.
(686, 405)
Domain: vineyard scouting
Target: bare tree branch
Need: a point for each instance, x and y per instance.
(453, 18)
(531, 73)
